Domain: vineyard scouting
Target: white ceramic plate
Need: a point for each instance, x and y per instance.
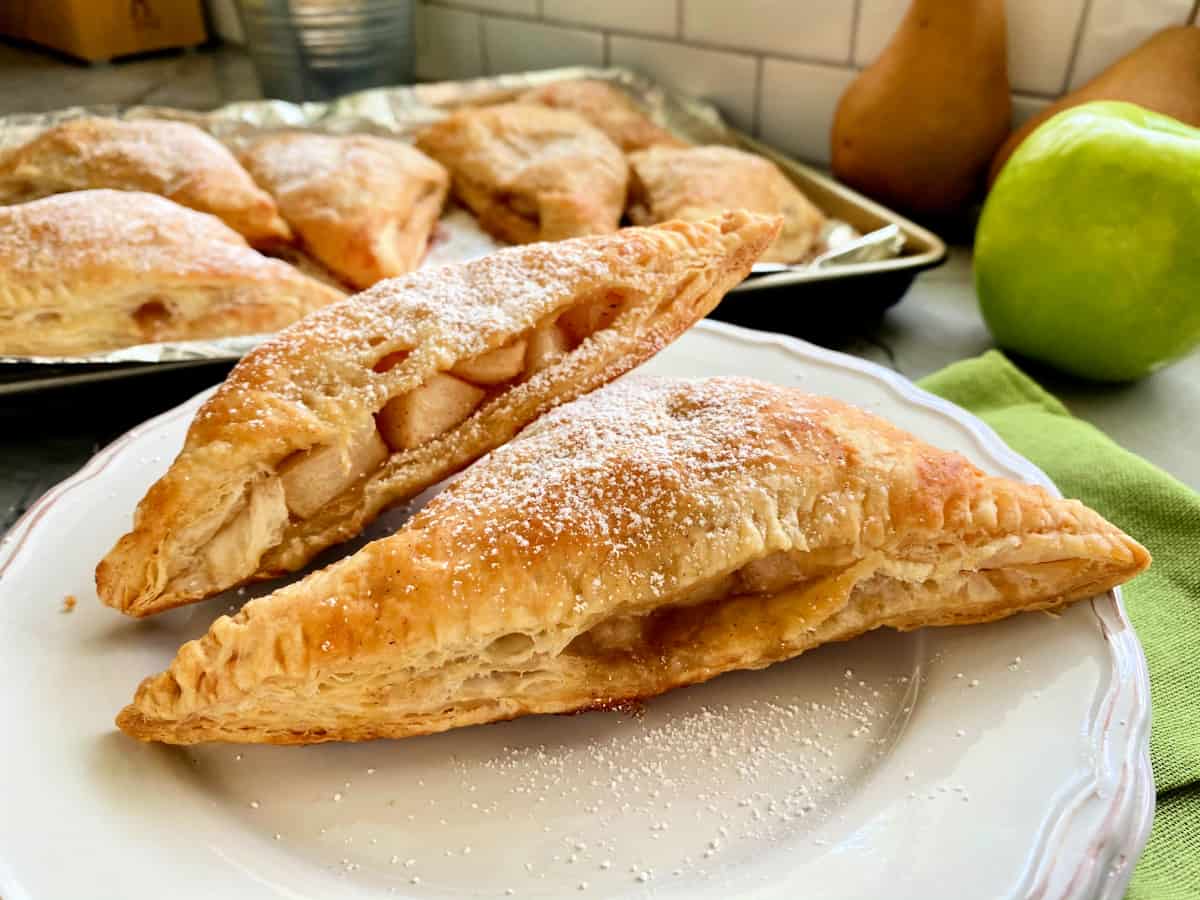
(1006, 760)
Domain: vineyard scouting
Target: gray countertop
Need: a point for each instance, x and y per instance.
(45, 437)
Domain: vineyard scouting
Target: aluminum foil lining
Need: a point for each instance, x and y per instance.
(401, 111)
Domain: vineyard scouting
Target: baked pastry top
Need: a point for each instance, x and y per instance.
(608, 108)
(530, 173)
(696, 182)
(96, 270)
(366, 403)
(364, 206)
(650, 535)
(174, 159)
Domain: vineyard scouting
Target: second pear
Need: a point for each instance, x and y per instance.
(917, 129)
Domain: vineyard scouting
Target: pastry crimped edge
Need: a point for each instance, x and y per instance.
(262, 414)
(511, 593)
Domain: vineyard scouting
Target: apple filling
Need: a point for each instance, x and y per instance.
(312, 478)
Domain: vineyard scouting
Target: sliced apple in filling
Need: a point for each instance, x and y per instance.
(496, 366)
(436, 406)
(312, 478)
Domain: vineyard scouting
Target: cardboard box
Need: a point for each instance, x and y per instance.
(100, 30)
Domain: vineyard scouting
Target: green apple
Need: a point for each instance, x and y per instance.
(1087, 255)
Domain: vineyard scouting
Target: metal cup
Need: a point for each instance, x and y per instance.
(318, 49)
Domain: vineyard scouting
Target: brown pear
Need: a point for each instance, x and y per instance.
(917, 129)
(1163, 74)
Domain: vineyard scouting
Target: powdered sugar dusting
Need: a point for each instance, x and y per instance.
(700, 784)
(125, 232)
(640, 462)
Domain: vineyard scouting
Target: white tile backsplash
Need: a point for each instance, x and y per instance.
(816, 29)
(1025, 108)
(512, 45)
(448, 44)
(506, 7)
(798, 103)
(727, 79)
(1114, 27)
(775, 67)
(877, 22)
(1041, 36)
(654, 17)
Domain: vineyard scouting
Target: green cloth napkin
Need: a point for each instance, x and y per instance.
(1164, 602)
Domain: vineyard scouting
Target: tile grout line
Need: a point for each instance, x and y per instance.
(467, 6)
(679, 19)
(607, 57)
(756, 118)
(855, 18)
(484, 62)
(690, 44)
(1076, 44)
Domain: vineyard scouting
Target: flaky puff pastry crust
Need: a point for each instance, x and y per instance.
(697, 182)
(173, 159)
(530, 173)
(230, 508)
(364, 206)
(608, 108)
(650, 535)
(97, 270)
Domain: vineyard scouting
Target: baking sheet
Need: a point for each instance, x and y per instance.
(402, 111)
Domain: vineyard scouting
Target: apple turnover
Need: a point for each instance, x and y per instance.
(530, 173)
(96, 270)
(651, 535)
(363, 206)
(174, 159)
(363, 405)
(697, 182)
(608, 108)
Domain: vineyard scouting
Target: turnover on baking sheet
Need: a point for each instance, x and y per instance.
(531, 173)
(650, 535)
(89, 271)
(362, 205)
(608, 108)
(364, 404)
(173, 159)
(692, 182)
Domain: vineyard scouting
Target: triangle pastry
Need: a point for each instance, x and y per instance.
(531, 173)
(694, 182)
(365, 404)
(364, 206)
(608, 108)
(173, 159)
(96, 270)
(650, 535)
